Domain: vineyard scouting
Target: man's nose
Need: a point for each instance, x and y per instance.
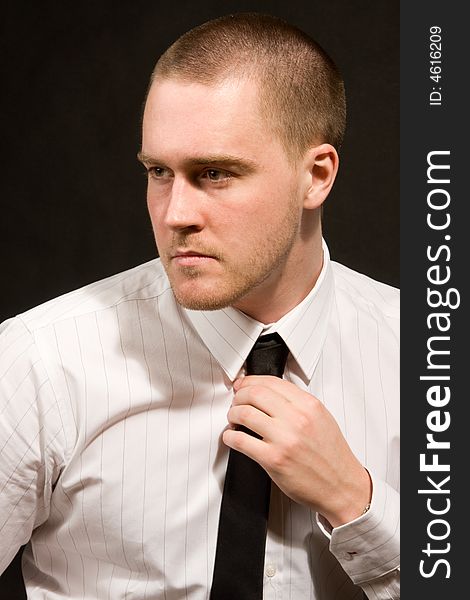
(184, 206)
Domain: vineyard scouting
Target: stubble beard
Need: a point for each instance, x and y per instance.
(238, 281)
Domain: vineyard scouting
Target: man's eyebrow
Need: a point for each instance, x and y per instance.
(245, 165)
(144, 158)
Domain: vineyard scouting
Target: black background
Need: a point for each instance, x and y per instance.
(74, 75)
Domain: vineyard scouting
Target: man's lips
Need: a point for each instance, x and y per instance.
(191, 257)
(190, 253)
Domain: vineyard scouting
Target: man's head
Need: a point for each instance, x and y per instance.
(301, 93)
(239, 126)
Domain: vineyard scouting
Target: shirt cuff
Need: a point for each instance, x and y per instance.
(369, 546)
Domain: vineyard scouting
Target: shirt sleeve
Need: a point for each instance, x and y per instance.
(368, 548)
(32, 439)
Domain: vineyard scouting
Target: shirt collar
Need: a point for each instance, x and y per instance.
(230, 334)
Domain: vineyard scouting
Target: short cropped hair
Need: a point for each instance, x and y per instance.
(301, 92)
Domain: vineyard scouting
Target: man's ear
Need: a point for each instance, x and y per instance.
(320, 168)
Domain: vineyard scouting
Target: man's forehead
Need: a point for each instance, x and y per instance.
(205, 120)
(189, 121)
(181, 91)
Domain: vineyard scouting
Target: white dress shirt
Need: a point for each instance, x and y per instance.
(113, 399)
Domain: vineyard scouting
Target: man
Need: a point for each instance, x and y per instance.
(120, 401)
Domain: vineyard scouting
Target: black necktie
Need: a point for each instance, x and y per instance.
(241, 540)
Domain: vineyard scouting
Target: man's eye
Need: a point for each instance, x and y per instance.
(157, 172)
(216, 176)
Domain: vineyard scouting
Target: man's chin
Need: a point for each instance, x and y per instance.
(202, 301)
(195, 295)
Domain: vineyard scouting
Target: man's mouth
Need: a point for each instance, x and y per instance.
(191, 258)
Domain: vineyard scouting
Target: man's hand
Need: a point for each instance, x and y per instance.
(302, 447)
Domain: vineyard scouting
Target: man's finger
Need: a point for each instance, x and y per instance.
(250, 417)
(247, 444)
(284, 388)
(261, 397)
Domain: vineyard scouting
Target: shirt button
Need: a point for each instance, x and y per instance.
(270, 571)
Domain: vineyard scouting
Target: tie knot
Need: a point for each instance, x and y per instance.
(268, 356)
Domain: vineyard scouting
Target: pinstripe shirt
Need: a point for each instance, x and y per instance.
(113, 399)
